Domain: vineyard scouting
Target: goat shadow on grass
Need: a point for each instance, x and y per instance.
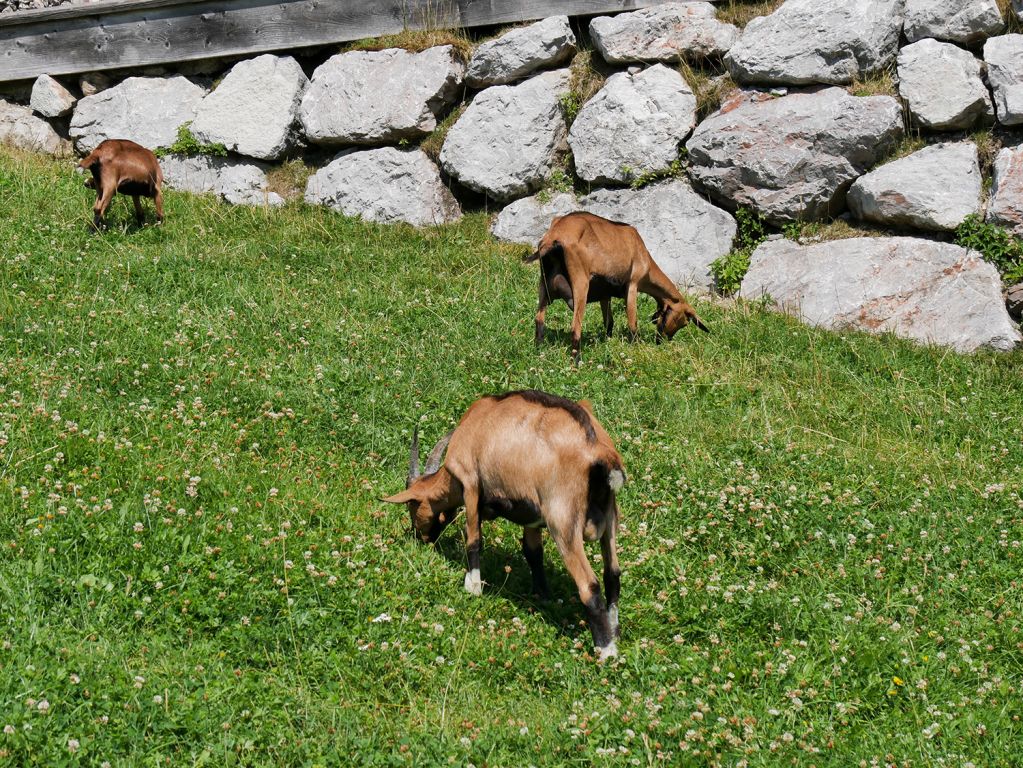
(562, 609)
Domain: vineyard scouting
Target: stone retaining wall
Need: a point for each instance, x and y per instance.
(796, 139)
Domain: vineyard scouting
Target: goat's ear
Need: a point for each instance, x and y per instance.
(410, 494)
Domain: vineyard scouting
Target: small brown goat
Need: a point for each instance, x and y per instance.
(586, 258)
(540, 461)
(119, 165)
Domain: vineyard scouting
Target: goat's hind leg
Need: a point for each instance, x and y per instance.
(103, 197)
(541, 309)
(570, 545)
(609, 320)
(140, 216)
(532, 550)
(612, 571)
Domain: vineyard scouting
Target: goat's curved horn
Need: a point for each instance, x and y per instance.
(413, 462)
(433, 462)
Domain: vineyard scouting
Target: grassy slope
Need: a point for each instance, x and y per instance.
(820, 534)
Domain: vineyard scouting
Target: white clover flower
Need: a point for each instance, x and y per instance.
(73, 745)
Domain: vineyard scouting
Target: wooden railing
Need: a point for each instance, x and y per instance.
(113, 34)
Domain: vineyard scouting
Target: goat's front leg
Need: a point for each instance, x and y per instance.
(473, 541)
(631, 297)
(609, 320)
(570, 544)
(541, 309)
(532, 550)
(580, 289)
(140, 216)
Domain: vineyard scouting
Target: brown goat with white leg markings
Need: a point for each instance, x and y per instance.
(120, 165)
(538, 460)
(585, 258)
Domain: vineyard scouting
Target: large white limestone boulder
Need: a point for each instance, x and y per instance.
(633, 125)
(1004, 58)
(379, 97)
(942, 86)
(254, 110)
(934, 188)
(146, 110)
(385, 185)
(50, 98)
(238, 182)
(792, 158)
(521, 51)
(20, 128)
(818, 41)
(668, 32)
(957, 21)
(506, 142)
(930, 292)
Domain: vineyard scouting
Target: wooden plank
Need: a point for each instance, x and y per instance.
(135, 33)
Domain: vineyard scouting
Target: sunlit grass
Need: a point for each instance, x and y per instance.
(820, 534)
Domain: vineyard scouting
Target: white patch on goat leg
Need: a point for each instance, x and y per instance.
(609, 651)
(612, 618)
(473, 582)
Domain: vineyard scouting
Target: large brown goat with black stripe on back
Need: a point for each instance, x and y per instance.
(120, 165)
(586, 258)
(538, 460)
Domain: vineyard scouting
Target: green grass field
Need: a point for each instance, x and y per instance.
(820, 534)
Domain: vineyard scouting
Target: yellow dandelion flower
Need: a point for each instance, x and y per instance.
(898, 681)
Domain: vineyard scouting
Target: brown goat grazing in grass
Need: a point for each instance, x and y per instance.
(119, 165)
(540, 461)
(586, 258)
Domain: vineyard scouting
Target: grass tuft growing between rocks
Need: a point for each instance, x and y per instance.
(289, 179)
(417, 41)
(711, 85)
(820, 535)
(881, 83)
(741, 12)
(434, 143)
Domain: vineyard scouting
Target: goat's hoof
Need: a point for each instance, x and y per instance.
(609, 651)
(473, 583)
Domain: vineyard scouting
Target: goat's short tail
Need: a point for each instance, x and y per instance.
(544, 248)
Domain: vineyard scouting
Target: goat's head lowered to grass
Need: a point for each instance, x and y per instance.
(433, 497)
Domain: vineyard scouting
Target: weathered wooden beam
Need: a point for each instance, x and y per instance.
(133, 33)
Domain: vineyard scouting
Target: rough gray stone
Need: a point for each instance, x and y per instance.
(818, 41)
(934, 188)
(521, 51)
(1014, 301)
(146, 110)
(376, 97)
(942, 86)
(526, 219)
(236, 181)
(1006, 205)
(50, 98)
(633, 125)
(1004, 58)
(505, 143)
(792, 158)
(385, 185)
(1017, 9)
(958, 21)
(92, 83)
(20, 128)
(254, 110)
(683, 232)
(668, 32)
(930, 292)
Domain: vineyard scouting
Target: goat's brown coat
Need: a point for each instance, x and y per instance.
(120, 165)
(539, 461)
(585, 258)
